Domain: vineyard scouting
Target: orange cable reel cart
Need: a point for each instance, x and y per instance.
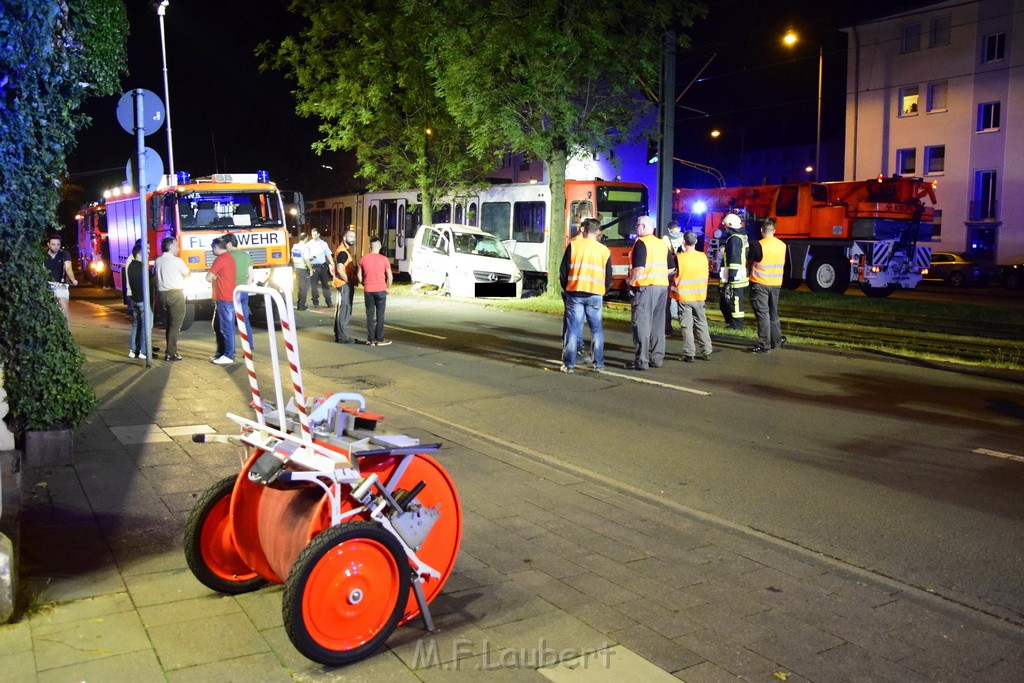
(361, 527)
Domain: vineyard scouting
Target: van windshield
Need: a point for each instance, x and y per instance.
(479, 245)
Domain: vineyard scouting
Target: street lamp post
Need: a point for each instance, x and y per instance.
(161, 9)
(791, 39)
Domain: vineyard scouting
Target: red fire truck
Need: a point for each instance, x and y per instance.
(865, 232)
(196, 210)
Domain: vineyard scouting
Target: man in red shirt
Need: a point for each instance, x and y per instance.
(375, 274)
(222, 275)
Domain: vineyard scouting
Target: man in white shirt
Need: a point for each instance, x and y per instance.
(171, 272)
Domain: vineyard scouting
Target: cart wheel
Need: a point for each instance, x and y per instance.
(210, 545)
(345, 593)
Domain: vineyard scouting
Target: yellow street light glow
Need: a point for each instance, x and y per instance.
(716, 133)
(790, 38)
(809, 169)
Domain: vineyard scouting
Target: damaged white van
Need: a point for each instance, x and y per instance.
(461, 260)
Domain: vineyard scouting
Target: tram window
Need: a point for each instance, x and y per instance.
(495, 218)
(346, 221)
(371, 220)
(443, 214)
(413, 220)
(471, 214)
(528, 221)
(579, 210)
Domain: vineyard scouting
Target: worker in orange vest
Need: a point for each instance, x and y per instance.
(585, 274)
(768, 262)
(650, 261)
(690, 290)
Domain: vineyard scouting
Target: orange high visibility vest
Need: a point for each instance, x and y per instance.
(691, 281)
(350, 267)
(587, 261)
(768, 271)
(655, 271)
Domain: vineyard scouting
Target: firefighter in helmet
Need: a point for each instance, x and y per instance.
(732, 276)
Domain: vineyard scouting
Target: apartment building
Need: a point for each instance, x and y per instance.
(938, 93)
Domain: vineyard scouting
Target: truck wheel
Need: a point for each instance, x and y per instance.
(878, 292)
(190, 316)
(828, 274)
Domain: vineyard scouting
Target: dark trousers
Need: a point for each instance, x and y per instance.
(173, 303)
(321, 276)
(303, 275)
(343, 313)
(730, 301)
(765, 302)
(375, 303)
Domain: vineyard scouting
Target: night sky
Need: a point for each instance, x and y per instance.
(227, 115)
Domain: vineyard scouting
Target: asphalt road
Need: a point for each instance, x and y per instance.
(911, 472)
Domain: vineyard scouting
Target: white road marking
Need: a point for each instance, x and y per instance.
(641, 380)
(422, 334)
(998, 454)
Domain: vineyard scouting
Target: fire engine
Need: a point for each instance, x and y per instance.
(194, 212)
(93, 249)
(836, 233)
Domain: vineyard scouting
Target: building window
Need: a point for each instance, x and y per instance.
(935, 159)
(939, 34)
(908, 101)
(984, 206)
(906, 161)
(988, 116)
(911, 41)
(937, 93)
(993, 47)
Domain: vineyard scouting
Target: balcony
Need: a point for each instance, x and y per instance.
(983, 211)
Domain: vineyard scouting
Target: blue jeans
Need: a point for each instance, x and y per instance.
(137, 343)
(578, 308)
(243, 298)
(224, 328)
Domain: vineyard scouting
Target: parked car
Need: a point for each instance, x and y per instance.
(1012, 276)
(957, 270)
(464, 261)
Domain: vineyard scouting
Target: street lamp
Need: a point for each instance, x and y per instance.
(161, 9)
(791, 39)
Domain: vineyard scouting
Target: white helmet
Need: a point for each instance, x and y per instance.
(732, 221)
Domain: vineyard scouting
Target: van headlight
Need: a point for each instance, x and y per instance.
(517, 276)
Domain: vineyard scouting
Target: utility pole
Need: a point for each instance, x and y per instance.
(667, 119)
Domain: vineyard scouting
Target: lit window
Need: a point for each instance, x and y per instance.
(935, 159)
(939, 34)
(937, 96)
(988, 116)
(993, 47)
(911, 38)
(908, 101)
(906, 161)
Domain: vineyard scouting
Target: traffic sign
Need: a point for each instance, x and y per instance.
(153, 112)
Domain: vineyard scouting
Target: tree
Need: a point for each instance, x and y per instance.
(359, 67)
(52, 54)
(551, 77)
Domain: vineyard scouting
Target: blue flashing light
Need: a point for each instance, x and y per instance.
(193, 259)
(699, 206)
(184, 177)
(263, 176)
